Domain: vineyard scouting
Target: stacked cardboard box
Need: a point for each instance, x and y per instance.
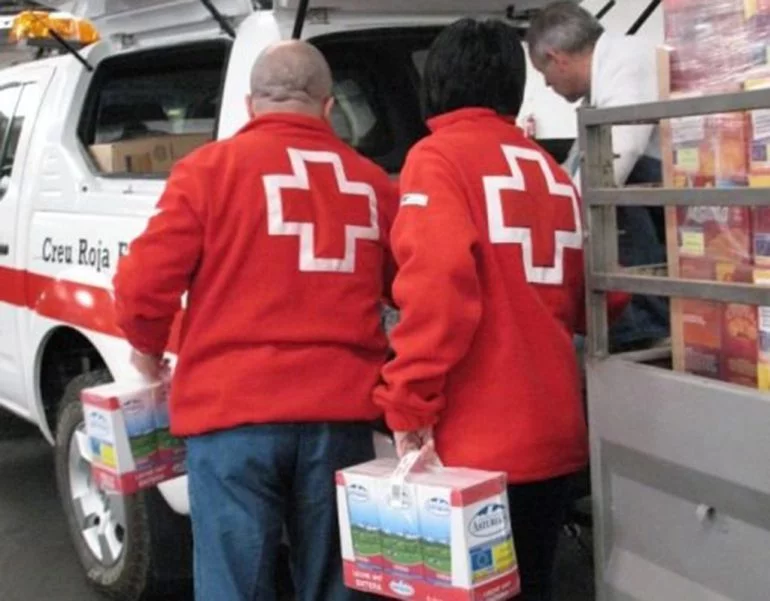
(718, 46)
(155, 154)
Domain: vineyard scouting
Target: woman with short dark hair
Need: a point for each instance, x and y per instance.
(488, 240)
(475, 64)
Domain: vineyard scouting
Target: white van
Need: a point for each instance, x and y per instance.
(86, 141)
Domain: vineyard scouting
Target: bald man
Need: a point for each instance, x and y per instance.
(279, 236)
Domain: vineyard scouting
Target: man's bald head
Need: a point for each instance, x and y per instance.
(291, 76)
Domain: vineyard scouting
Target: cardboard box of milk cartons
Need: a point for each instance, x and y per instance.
(445, 533)
(121, 422)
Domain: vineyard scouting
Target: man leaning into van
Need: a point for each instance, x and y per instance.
(279, 237)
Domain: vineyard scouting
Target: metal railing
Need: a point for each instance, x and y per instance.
(601, 197)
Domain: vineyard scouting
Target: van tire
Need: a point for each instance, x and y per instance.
(129, 577)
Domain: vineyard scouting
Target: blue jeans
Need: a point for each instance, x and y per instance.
(246, 484)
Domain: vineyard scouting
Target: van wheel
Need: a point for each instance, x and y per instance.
(111, 533)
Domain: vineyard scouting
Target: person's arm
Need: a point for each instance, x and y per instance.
(157, 270)
(616, 301)
(389, 208)
(436, 288)
(616, 304)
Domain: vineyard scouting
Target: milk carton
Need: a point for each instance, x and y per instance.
(446, 533)
(399, 513)
(362, 491)
(436, 534)
(170, 448)
(121, 423)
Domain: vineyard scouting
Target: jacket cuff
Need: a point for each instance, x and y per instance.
(398, 421)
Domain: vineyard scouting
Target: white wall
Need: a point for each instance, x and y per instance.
(555, 117)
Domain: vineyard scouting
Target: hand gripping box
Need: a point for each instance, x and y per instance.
(127, 429)
(439, 535)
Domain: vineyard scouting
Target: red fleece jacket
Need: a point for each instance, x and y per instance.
(280, 237)
(488, 241)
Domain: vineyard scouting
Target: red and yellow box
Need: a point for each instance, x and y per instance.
(710, 150)
(740, 330)
(701, 323)
(715, 233)
(762, 278)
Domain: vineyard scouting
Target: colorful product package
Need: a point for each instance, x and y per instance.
(701, 323)
(698, 31)
(170, 448)
(710, 150)
(130, 451)
(445, 533)
(761, 235)
(757, 9)
(762, 278)
(364, 518)
(759, 140)
(740, 344)
(400, 530)
(716, 233)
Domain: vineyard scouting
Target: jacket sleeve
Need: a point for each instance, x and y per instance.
(389, 208)
(436, 288)
(158, 268)
(616, 304)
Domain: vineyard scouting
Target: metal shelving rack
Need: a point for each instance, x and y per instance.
(680, 464)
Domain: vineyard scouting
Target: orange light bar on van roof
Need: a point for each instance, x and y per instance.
(35, 26)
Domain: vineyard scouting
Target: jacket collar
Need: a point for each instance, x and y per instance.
(283, 120)
(472, 114)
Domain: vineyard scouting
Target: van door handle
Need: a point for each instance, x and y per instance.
(4, 250)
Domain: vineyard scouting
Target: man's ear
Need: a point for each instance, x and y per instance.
(250, 107)
(556, 57)
(328, 108)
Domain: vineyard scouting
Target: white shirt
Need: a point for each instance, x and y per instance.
(624, 71)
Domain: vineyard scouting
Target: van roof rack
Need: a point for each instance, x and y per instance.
(219, 18)
(299, 20)
(643, 17)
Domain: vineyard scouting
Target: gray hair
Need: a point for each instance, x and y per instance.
(291, 73)
(564, 27)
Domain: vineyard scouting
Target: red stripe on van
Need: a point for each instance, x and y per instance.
(12, 287)
(80, 305)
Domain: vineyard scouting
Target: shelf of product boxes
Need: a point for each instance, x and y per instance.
(705, 205)
(679, 435)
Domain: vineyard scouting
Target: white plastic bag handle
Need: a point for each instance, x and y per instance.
(405, 467)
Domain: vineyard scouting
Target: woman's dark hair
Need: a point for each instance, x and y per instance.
(475, 64)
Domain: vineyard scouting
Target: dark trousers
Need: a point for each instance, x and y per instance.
(246, 484)
(641, 241)
(537, 516)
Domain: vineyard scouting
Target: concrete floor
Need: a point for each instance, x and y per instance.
(37, 561)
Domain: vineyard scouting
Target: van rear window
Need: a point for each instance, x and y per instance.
(147, 110)
(376, 88)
